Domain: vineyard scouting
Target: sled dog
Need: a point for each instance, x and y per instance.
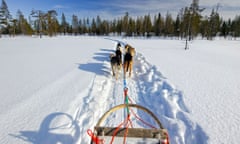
(116, 65)
(128, 59)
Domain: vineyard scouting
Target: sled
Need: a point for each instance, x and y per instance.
(104, 135)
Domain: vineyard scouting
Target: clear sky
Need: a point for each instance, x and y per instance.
(110, 9)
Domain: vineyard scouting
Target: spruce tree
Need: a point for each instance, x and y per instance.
(5, 16)
(169, 25)
(147, 25)
(93, 27)
(236, 27)
(23, 27)
(75, 24)
(125, 23)
(64, 25)
(158, 24)
(139, 26)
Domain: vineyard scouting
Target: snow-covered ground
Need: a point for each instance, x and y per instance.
(53, 90)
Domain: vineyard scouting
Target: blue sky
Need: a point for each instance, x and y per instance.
(110, 9)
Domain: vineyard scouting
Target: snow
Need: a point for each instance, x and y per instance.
(53, 90)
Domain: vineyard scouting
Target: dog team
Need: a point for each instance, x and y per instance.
(116, 60)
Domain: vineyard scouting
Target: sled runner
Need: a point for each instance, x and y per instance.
(123, 133)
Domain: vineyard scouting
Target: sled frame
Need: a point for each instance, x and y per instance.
(153, 133)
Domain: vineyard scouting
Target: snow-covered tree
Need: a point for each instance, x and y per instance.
(5, 16)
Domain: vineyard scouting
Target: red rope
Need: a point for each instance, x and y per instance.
(135, 115)
(125, 91)
(125, 134)
(116, 130)
(127, 121)
(94, 138)
(167, 141)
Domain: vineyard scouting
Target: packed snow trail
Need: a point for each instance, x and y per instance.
(103, 93)
(148, 88)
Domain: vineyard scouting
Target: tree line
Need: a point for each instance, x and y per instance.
(188, 24)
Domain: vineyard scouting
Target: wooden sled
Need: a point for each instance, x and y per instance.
(134, 135)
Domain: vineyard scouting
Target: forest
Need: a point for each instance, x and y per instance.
(188, 24)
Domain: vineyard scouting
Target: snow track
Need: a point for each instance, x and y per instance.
(103, 93)
(148, 88)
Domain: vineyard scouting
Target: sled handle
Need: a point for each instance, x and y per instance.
(121, 106)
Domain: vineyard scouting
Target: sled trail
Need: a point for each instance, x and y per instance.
(147, 87)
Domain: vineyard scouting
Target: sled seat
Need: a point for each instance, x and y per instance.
(134, 135)
(132, 132)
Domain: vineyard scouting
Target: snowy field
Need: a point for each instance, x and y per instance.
(53, 90)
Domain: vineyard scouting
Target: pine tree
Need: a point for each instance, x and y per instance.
(169, 25)
(98, 24)
(236, 27)
(191, 21)
(195, 18)
(80, 26)
(5, 16)
(104, 28)
(39, 22)
(64, 25)
(20, 22)
(93, 27)
(113, 25)
(52, 23)
(139, 26)
(22, 26)
(214, 24)
(85, 26)
(125, 23)
(158, 24)
(204, 27)
(177, 26)
(224, 29)
(75, 24)
(147, 25)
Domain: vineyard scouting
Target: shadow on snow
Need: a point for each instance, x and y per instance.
(47, 134)
(101, 67)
